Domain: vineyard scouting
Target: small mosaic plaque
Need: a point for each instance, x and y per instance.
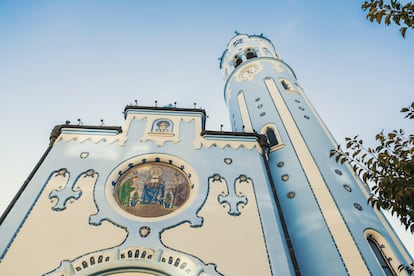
(152, 189)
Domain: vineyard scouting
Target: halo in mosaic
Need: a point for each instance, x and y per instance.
(152, 189)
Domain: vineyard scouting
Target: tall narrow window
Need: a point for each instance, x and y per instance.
(271, 137)
(379, 254)
(285, 84)
(238, 62)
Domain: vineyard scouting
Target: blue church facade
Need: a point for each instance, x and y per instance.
(162, 195)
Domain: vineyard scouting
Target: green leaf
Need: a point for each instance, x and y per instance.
(378, 18)
(403, 30)
(387, 19)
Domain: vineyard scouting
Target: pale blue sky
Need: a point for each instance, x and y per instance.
(64, 60)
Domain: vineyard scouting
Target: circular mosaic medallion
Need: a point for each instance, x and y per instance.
(152, 189)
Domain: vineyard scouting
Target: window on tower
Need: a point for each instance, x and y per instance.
(238, 61)
(271, 137)
(380, 255)
(285, 84)
(250, 54)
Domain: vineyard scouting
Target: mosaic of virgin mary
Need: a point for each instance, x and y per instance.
(152, 189)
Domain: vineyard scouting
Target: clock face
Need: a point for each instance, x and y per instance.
(249, 72)
(152, 189)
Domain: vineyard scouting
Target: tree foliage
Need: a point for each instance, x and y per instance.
(387, 168)
(393, 11)
(407, 268)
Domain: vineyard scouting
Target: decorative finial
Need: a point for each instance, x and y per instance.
(194, 105)
(102, 122)
(175, 104)
(79, 122)
(221, 127)
(136, 102)
(243, 127)
(156, 102)
(67, 122)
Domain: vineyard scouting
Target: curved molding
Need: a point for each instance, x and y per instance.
(135, 259)
(384, 247)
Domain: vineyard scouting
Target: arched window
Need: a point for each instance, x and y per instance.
(379, 254)
(250, 54)
(285, 84)
(271, 137)
(238, 61)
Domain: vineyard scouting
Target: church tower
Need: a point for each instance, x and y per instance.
(332, 229)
